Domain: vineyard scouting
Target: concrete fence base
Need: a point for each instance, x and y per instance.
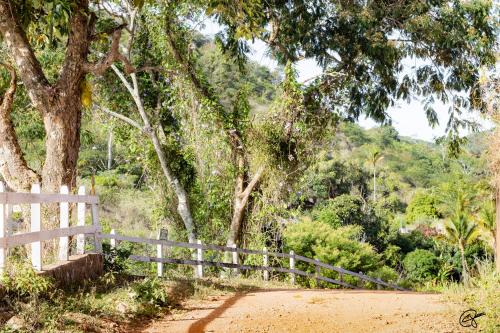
(77, 269)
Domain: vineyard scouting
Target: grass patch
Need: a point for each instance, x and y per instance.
(481, 293)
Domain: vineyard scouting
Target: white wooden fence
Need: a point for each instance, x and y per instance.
(37, 234)
(199, 262)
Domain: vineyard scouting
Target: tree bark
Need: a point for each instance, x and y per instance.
(240, 202)
(110, 149)
(465, 267)
(497, 240)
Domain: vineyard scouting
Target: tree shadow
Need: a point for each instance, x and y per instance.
(200, 325)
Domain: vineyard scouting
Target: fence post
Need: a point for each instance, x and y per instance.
(36, 247)
(159, 254)
(362, 281)
(80, 238)
(112, 241)
(199, 253)
(3, 229)
(292, 266)
(266, 264)
(318, 272)
(341, 276)
(235, 260)
(95, 223)
(378, 284)
(64, 223)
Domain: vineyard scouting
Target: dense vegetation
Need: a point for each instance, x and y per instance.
(180, 131)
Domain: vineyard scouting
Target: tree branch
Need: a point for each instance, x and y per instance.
(113, 55)
(13, 166)
(8, 97)
(255, 179)
(123, 118)
(28, 65)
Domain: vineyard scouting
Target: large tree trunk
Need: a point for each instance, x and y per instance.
(62, 126)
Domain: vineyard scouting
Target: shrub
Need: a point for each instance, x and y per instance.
(339, 247)
(421, 265)
(25, 282)
(116, 260)
(342, 210)
(150, 291)
(422, 206)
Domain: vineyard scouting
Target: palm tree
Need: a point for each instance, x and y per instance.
(487, 222)
(460, 230)
(375, 157)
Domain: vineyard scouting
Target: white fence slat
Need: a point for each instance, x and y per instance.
(80, 239)
(265, 259)
(292, 266)
(112, 241)
(159, 254)
(235, 260)
(3, 229)
(199, 257)
(36, 247)
(64, 223)
(95, 222)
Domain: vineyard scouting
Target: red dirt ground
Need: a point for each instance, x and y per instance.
(313, 311)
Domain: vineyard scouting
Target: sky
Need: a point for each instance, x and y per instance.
(408, 118)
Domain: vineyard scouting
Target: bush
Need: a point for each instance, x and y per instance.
(421, 265)
(339, 247)
(422, 206)
(150, 291)
(116, 260)
(342, 210)
(25, 282)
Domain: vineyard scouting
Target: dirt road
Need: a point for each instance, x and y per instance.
(313, 311)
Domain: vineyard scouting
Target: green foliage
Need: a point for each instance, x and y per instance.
(342, 210)
(421, 265)
(25, 282)
(116, 260)
(338, 247)
(422, 206)
(151, 291)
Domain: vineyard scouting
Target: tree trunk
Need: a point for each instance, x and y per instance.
(62, 126)
(182, 199)
(238, 207)
(465, 267)
(497, 240)
(110, 150)
(240, 201)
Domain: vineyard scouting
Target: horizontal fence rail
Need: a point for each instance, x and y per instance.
(236, 266)
(36, 233)
(14, 198)
(45, 235)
